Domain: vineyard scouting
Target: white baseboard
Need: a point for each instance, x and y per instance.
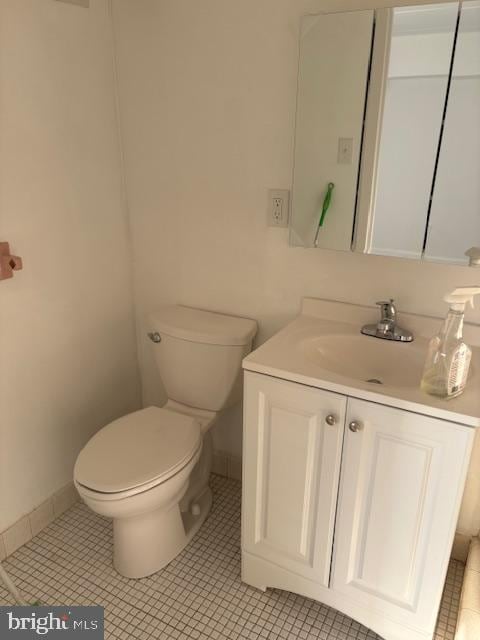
(227, 465)
(22, 531)
(32, 523)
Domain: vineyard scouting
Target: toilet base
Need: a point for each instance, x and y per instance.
(146, 543)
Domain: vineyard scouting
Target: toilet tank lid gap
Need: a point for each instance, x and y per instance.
(200, 326)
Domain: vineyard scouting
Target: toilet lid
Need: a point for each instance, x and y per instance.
(147, 445)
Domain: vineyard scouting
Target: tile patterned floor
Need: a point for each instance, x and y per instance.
(447, 618)
(198, 596)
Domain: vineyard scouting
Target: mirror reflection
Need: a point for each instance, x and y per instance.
(421, 48)
(454, 218)
(330, 111)
(396, 129)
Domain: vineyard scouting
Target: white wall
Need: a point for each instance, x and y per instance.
(67, 342)
(208, 102)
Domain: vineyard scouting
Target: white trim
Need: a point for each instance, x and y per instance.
(28, 526)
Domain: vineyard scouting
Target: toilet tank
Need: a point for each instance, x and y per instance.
(200, 354)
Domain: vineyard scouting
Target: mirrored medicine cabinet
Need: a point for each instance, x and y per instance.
(387, 137)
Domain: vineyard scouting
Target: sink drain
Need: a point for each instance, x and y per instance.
(374, 381)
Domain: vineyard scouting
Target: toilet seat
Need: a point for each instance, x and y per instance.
(137, 452)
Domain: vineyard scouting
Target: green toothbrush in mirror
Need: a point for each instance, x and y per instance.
(326, 203)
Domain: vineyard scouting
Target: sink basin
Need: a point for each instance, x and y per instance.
(324, 349)
(366, 359)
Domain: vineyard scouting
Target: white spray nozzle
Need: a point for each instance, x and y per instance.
(458, 298)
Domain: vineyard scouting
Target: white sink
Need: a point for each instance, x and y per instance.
(323, 348)
(366, 359)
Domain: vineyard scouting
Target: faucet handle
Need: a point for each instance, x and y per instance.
(387, 309)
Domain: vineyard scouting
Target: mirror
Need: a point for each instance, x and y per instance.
(388, 111)
(332, 84)
(456, 193)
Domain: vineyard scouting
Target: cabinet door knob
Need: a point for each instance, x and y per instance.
(355, 426)
(331, 419)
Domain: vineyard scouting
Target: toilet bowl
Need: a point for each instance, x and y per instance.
(149, 470)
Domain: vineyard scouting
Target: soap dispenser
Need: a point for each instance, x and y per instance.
(448, 359)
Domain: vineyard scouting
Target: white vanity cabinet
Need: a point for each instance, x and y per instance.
(293, 447)
(350, 502)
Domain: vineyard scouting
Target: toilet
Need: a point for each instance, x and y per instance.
(149, 470)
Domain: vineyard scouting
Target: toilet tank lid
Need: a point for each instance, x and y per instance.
(201, 326)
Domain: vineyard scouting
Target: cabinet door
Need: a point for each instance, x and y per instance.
(291, 473)
(400, 493)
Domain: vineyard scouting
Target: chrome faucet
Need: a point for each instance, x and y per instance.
(387, 328)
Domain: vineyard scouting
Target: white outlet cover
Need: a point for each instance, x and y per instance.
(284, 196)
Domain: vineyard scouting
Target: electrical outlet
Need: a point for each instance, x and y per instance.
(278, 207)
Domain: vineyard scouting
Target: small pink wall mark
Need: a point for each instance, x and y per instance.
(8, 263)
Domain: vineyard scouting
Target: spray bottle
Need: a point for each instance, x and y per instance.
(448, 359)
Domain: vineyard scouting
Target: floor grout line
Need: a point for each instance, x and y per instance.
(199, 596)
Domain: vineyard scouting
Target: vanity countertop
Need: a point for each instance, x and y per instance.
(296, 353)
